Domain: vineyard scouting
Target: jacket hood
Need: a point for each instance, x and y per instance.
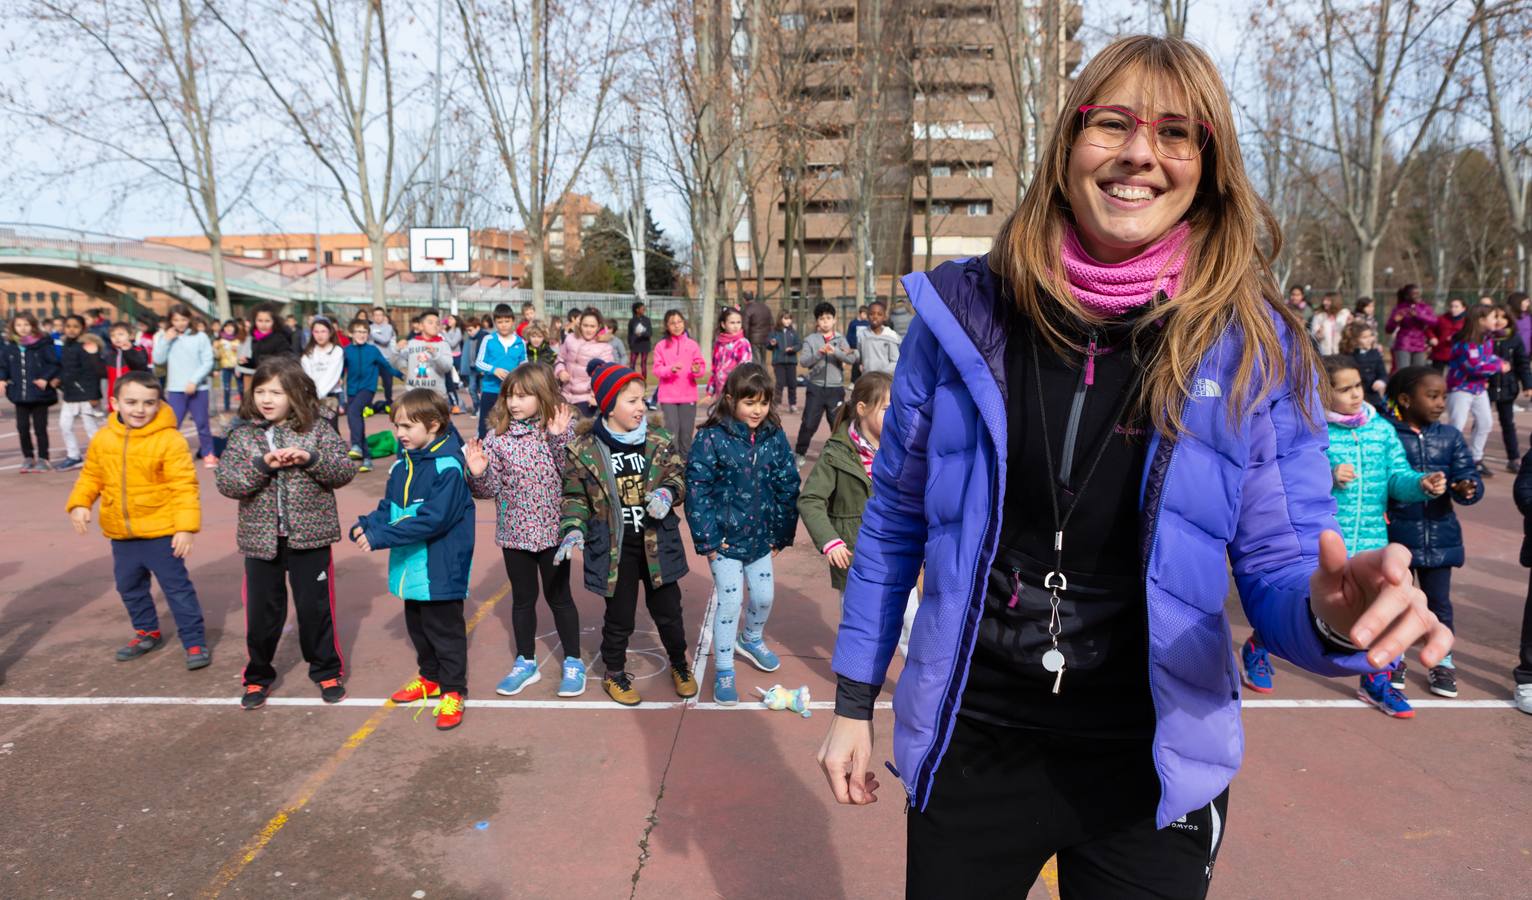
(163, 418)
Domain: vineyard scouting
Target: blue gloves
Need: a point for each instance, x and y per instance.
(572, 541)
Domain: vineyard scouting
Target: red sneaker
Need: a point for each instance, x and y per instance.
(449, 711)
(419, 689)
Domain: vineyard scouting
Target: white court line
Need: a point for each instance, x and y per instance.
(602, 706)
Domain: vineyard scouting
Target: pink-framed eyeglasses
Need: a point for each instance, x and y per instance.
(1174, 137)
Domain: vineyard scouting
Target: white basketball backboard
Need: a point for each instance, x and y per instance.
(439, 249)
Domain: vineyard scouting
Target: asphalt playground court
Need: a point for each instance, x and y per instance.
(144, 780)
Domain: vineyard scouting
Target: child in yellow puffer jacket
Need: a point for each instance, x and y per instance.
(140, 466)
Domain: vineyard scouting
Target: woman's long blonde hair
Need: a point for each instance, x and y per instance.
(1227, 279)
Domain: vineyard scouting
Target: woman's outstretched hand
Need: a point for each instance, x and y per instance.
(1371, 599)
(844, 756)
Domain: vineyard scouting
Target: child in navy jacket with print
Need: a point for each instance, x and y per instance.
(742, 506)
(425, 519)
(1417, 397)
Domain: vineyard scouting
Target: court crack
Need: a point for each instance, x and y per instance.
(653, 819)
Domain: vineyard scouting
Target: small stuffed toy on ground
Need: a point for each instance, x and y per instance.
(780, 697)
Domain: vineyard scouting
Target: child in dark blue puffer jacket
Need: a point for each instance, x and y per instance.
(1417, 398)
(742, 506)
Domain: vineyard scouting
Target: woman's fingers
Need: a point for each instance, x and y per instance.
(1413, 624)
(835, 774)
(1386, 606)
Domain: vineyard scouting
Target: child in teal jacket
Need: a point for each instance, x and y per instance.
(1368, 468)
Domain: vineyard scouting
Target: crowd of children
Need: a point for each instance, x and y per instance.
(573, 460)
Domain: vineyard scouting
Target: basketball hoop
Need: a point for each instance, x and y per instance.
(437, 261)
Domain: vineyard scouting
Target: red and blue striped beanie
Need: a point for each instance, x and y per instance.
(607, 380)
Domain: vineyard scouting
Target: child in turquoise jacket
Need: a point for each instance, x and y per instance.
(1368, 468)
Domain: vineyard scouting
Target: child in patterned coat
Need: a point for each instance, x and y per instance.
(518, 467)
(283, 466)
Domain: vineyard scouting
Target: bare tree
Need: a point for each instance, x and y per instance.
(878, 151)
(1174, 13)
(334, 107)
(161, 100)
(1387, 69)
(544, 73)
(702, 61)
(1506, 25)
(622, 167)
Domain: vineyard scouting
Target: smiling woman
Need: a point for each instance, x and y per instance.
(1088, 428)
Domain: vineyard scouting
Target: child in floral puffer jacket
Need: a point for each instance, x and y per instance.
(283, 466)
(518, 466)
(742, 485)
(1368, 468)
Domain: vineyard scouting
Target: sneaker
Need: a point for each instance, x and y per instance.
(620, 688)
(368, 412)
(724, 693)
(210, 461)
(1484, 471)
(1375, 690)
(355, 452)
(42, 465)
(449, 711)
(686, 683)
(758, 655)
(1396, 677)
(523, 673)
(1513, 466)
(142, 643)
(331, 690)
(793, 410)
(457, 410)
(418, 689)
(1524, 698)
(1442, 682)
(255, 696)
(28, 467)
(198, 658)
(573, 682)
(72, 462)
(800, 459)
(364, 466)
(1256, 669)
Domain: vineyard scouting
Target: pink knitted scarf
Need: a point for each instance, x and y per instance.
(1113, 289)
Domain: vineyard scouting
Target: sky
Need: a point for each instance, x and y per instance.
(87, 201)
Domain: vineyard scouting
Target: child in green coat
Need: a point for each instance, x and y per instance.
(838, 488)
(1368, 468)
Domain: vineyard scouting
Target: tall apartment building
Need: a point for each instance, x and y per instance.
(566, 220)
(914, 122)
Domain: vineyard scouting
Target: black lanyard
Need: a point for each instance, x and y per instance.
(1054, 581)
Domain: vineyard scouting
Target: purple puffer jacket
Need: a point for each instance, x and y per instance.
(938, 478)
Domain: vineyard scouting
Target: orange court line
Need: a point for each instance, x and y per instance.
(311, 785)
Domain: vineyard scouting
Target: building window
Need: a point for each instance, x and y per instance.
(941, 170)
(979, 208)
(791, 21)
(351, 255)
(557, 224)
(556, 239)
(940, 208)
(587, 220)
(981, 170)
(952, 131)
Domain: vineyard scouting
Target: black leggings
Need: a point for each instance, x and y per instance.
(1523, 672)
(1506, 409)
(1006, 799)
(30, 418)
(524, 568)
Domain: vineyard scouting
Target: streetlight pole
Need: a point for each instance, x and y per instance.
(436, 153)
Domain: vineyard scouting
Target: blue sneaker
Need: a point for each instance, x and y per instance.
(573, 683)
(1256, 667)
(522, 674)
(724, 693)
(759, 656)
(1376, 690)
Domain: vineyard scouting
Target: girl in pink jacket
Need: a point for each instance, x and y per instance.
(679, 367)
(730, 348)
(578, 349)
